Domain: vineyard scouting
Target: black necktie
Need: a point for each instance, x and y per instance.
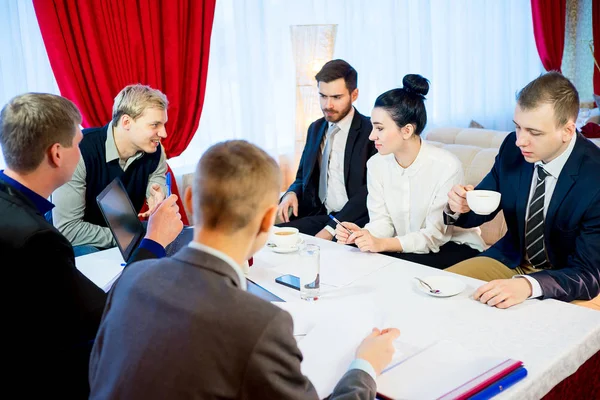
(534, 236)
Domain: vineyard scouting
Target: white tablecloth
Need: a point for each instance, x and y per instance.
(552, 338)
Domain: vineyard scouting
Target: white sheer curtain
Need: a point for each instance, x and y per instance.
(476, 53)
(24, 65)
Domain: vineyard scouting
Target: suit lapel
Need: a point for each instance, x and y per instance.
(350, 142)
(566, 180)
(522, 197)
(316, 147)
(207, 261)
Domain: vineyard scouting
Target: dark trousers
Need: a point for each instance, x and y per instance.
(451, 253)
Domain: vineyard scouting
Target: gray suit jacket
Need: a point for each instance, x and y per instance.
(180, 327)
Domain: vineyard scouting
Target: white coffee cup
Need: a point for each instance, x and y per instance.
(285, 237)
(483, 202)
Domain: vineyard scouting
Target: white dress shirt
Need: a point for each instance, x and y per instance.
(337, 197)
(407, 203)
(553, 168)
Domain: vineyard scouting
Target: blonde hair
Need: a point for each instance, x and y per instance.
(232, 182)
(133, 100)
(31, 123)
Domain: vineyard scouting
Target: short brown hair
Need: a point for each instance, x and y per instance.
(133, 100)
(551, 88)
(31, 123)
(233, 179)
(336, 69)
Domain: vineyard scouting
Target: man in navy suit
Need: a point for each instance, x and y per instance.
(332, 176)
(549, 178)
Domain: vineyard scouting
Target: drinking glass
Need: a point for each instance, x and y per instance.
(309, 273)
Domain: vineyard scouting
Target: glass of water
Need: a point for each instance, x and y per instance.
(310, 272)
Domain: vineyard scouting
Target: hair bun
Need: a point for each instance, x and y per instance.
(416, 83)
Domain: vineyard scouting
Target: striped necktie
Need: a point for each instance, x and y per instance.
(534, 236)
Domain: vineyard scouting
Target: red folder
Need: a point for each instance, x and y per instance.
(482, 381)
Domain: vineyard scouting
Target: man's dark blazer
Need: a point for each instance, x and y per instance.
(181, 327)
(53, 310)
(358, 151)
(572, 223)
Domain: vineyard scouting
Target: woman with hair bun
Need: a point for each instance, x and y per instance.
(408, 184)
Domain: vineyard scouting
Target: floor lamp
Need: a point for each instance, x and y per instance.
(312, 46)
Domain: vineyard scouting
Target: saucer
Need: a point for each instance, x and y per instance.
(283, 250)
(447, 285)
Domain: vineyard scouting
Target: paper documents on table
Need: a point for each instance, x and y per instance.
(103, 272)
(331, 342)
(308, 314)
(444, 370)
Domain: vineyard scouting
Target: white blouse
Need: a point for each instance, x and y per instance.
(408, 203)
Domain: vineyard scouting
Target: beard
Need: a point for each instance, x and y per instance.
(337, 116)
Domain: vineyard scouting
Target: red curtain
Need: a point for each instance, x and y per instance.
(549, 17)
(97, 47)
(596, 36)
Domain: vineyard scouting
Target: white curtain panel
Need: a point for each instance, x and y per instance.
(24, 65)
(476, 53)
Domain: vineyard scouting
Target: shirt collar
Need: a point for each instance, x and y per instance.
(42, 205)
(555, 166)
(345, 123)
(224, 257)
(111, 147)
(413, 168)
(112, 153)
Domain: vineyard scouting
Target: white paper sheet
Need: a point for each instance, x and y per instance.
(330, 346)
(102, 271)
(306, 315)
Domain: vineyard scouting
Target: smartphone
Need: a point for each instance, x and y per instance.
(291, 281)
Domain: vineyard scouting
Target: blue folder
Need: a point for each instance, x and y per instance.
(500, 384)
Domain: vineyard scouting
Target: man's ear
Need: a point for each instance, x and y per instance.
(568, 131)
(54, 155)
(268, 219)
(354, 95)
(125, 121)
(188, 202)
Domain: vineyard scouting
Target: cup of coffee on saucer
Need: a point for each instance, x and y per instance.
(483, 202)
(284, 240)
